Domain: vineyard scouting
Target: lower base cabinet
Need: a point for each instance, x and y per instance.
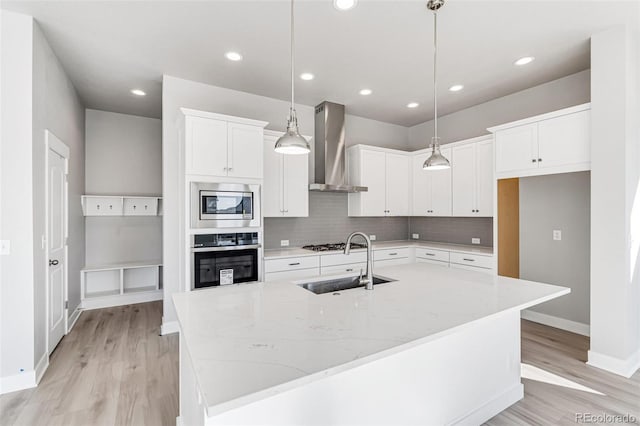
(291, 275)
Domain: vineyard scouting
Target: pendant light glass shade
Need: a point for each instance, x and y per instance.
(292, 142)
(436, 161)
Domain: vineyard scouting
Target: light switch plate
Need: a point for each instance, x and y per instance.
(284, 243)
(5, 247)
(557, 235)
(475, 241)
(415, 236)
(372, 237)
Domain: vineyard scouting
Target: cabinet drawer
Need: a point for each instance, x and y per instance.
(291, 275)
(352, 269)
(471, 268)
(103, 206)
(433, 262)
(343, 259)
(291, 263)
(140, 206)
(472, 260)
(388, 254)
(389, 262)
(427, 253)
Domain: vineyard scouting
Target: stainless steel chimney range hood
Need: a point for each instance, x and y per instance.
(330, 150)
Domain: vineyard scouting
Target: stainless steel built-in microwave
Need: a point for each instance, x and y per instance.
(224, 205)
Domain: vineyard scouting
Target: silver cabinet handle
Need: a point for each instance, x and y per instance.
(294, 264)
(349, 269)
(539, 160)
(533, 160)
(393, 254)
(53, 262)
(469, 260)
(430, 254)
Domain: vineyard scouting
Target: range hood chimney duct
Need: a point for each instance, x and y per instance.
(330, 150)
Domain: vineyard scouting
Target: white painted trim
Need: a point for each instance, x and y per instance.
(488, 410)
(623, 367)
(73, 318)
(379, 149)
(178, 421)
(541, 117)
(169, 327)
(228, 118)
(469, 141)
(556, 322)
(579, 167)
(41, 367)
(24, 380)
(121, 299)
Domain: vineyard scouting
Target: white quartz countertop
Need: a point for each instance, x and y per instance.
(251, 341)
(379, 245)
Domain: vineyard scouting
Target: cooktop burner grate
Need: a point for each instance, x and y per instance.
(332, 246)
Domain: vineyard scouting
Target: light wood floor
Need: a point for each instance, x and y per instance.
(114, 369)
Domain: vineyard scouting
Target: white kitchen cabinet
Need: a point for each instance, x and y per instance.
(472, 179)
(295, 274)
(386, 175)
(557, 142)
(220, 145)
(431, 189)
(348, 269)
(120, 205)
(286, 182)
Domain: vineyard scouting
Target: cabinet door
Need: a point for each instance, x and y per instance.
(422, 188)
(206, 147)
(517, 149)
(484, 178)
(295, 173)
(245, 151)
(463, 163)
(372, 171)
(397, 185)
(564, 141)
(272, 189)
(441, 188)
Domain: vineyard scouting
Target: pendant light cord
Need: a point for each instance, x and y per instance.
(435, 68)
(292, 61)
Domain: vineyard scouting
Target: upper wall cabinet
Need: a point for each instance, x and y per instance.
(221, 145)
(431, 189)
(286, 181)
(386, 174)
(472, 182)
(558, 142)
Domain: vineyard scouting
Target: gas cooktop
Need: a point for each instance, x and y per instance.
(333, 246)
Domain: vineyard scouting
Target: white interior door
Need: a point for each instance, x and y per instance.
(57, 168)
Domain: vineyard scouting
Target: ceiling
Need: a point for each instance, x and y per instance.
(110, 47)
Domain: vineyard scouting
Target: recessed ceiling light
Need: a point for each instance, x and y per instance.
(344, 4)
(233, 56)
(307, 76)
(138, 92)
(413, 105)
(456, 88)
(366, 92)
(524, 60)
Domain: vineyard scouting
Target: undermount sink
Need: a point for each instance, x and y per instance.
(339, 284)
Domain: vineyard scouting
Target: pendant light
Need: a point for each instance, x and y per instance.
(436, 161)
(292, 142)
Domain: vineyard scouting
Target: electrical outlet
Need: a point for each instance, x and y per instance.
(284, 243)
(5, 247)
(415, 236)
(557, 235)
(372, 237)
(475, 241)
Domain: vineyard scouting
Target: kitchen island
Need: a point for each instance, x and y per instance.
(436, 346)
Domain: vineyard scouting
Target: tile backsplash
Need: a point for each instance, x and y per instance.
(328, 222)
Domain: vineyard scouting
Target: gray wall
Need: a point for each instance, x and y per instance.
(454, 230)
(56, 107)
(467, 123)
(123, 157)
(328, 223)
(557, 202)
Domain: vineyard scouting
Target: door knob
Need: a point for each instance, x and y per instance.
(53, 262)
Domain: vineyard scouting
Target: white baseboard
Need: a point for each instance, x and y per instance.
(24, 380)
(623, 367)
(556, 322)
(41, 367)
(178, 421)
(493, 407)
(73, 318)
(169, 327)
(121, 299)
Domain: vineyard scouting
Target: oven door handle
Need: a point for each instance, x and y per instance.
(223, 248)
